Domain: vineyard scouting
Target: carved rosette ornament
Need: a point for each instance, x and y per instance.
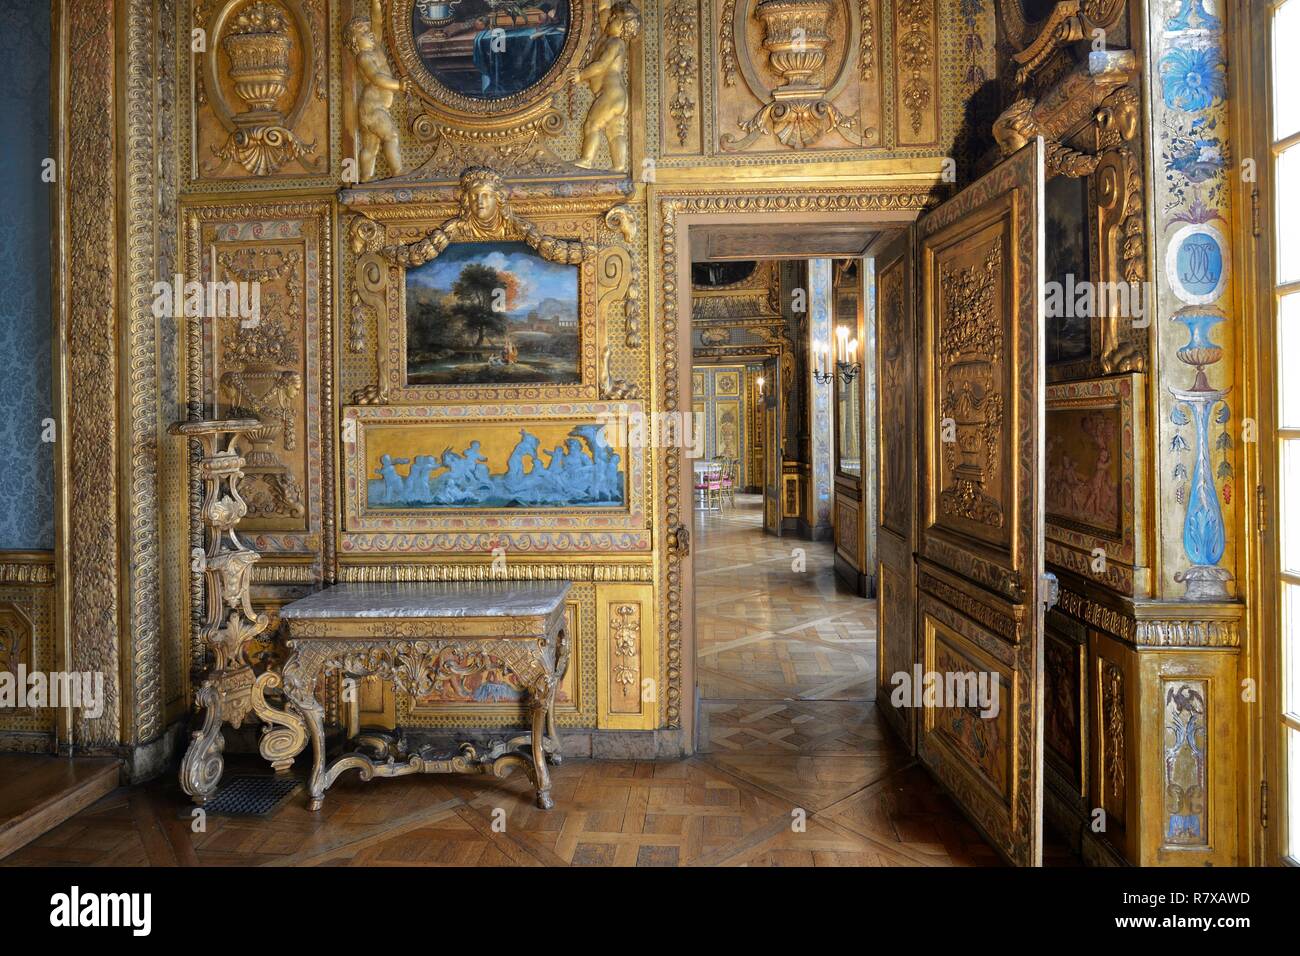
(230, 623)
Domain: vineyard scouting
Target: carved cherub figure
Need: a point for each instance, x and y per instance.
(605, 75)
(365, 38)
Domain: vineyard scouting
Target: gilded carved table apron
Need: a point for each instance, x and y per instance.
(400, 632)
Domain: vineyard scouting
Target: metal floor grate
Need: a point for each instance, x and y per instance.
(251, 795)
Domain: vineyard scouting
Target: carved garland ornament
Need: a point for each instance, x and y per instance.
(915, 55)
(682, 27)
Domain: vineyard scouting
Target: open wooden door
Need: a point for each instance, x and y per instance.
(979, 570)
(773, 437)
(896, 474)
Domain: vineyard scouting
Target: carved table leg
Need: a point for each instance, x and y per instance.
(202, 765)
(286, 735)
(538, 703)
(553, 752)
(315, 715)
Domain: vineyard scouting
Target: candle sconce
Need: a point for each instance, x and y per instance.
(846, 366)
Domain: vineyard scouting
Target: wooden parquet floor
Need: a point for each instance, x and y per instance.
(794, 768)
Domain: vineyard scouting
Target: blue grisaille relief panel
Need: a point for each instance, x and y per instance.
(26, 462)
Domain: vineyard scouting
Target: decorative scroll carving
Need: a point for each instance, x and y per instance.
(625, 643)
(378, 131)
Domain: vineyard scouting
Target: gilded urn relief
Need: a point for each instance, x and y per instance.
(797, 74)
(261, 89)
(971, 372)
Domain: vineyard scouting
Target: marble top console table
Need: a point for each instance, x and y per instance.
(399, 633)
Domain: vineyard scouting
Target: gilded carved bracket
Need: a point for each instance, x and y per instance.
(1089, 120)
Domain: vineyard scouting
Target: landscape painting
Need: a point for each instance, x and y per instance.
(487, 49)
(492, 313)
(497, 465)
(1068, 333)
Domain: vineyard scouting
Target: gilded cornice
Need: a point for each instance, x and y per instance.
(34, 568)
(1156, 624)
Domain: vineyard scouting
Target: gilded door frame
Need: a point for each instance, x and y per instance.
(673, 211)
(1260, 759)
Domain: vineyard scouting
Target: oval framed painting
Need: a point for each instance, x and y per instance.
(488, 56)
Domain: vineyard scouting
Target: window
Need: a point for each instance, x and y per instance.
(1284, 139)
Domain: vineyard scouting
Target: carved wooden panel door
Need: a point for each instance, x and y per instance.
(773, 436)
(896, 475)
(979, 569)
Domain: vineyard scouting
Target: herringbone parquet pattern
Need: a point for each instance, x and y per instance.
(794, 767)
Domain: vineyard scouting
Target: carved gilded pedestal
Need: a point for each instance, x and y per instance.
(227, 694)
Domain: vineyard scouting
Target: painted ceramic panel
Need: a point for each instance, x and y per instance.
(485, 49)
(549, 515)
(498, 465)
(1185, 762)
(489, 313)
(1083, 468)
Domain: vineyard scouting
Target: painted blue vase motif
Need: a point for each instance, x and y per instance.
(1203, 529)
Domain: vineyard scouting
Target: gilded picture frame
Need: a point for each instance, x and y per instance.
(487, 529)
(1091, 518)
(388, 298)
(454, 107)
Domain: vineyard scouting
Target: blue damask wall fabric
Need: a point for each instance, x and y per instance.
(26, 462)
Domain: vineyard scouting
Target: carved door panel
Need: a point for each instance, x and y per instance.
(896, 456)
(980, 508)
(773, 430)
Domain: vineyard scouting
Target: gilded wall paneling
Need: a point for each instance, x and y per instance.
(1065, 709)
(278, 369)
(916, 83)
(627, 658)
(261, 108)
(1116, 786)
(681, 78)
(26, 646)
(1188, 765)
(89, 270)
